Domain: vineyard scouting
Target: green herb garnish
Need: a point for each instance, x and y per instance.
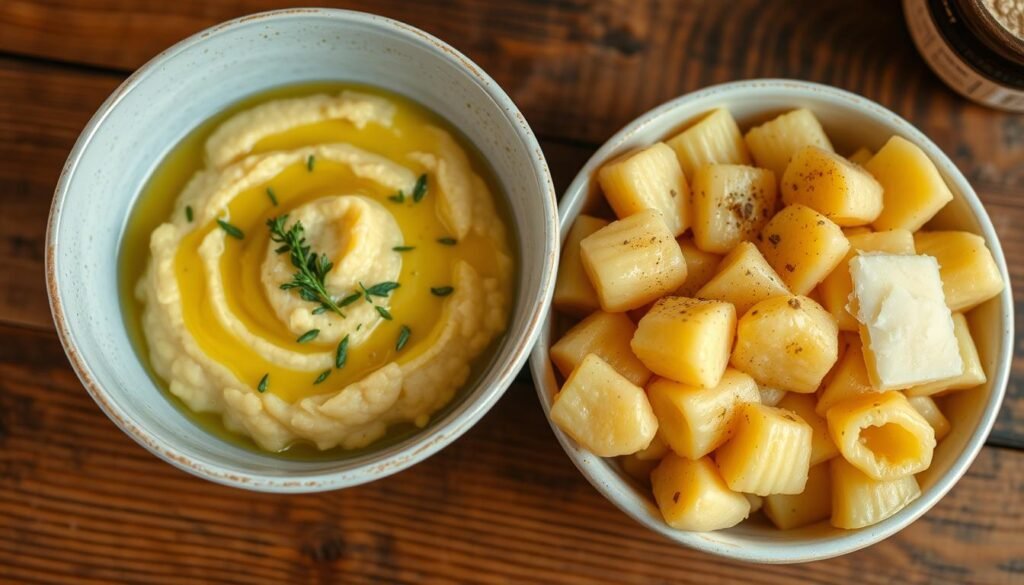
(231, 230)
(188, 213)
(308, 336)
(420, 190)
(311, 268)
(403, 337)
(310, 162)
(349, 299)
(381, 289)
(441, 291)
(447, 241)
(323, 376)
(271, 195)
(262, 386)
(398, 197)
(403, 248)
(341, 356)
(320, 310)
(383, 312)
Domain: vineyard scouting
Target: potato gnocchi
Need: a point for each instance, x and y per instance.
(752, 321)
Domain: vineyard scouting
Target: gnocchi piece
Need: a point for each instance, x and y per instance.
(574, 295)
(973, 374)
(787, 511)
(849, 379)
(638, 469)
(838, 285)
(859, 501)
(769, 452)
(633, 261)
(604, 412)
(832, 186)
(786, 342)
(771, 396)
(803, 246)
(822, 446)
(715, 139)
(756, 502)
(912, 188)
(731, 203)
(882, 435)
(692, 496)
(969, 274)
(648, 179)
(700, 267)
(744, 279)
(695, 421)
(604, 334)
(860, 156)
(774, 143)
(656, 450)
(686, 340)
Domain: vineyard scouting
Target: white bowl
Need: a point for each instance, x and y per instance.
(200, 76)
(851, 121)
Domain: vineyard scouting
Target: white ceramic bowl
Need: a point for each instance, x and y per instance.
(851, 121)
(200, 76)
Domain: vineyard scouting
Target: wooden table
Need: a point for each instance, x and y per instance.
(80, 502)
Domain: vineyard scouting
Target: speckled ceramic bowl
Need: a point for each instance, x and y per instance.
(851, 121)
(183, 86)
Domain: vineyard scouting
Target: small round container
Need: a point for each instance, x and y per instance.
(851, 121)
(973, 46)
(201, 76)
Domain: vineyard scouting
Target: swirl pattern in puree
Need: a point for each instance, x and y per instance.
(228, 339)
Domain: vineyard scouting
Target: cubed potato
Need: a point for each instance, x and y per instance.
(836, 288)
(912, 188)
(927, 408)
(692, 495)
(744, 279)
(769, 452)
(809, 506)
(771, 396)
(802, 246)
(822, 446)
(731, 204)
(774, 143)
(969, 274)
(882, 435)
(700, 267)
(604, 334)
(859, 501)
(756, 502)
(849, 379)
(649, 178)
(638, 469)
(973, 374)
(695, 421)
(656, 450)
(832, 186)
(604, 412)
(574, 295)
(786, 342)
(856, 230)
(861, 156)
(633, 261)
(715, 139)
(686, 340)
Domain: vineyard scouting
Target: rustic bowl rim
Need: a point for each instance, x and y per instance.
(750, 549)
(428, 441)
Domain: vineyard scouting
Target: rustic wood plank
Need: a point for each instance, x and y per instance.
(80, 501)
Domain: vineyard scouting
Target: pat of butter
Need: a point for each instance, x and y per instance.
(906, 327)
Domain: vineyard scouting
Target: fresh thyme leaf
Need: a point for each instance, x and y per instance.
(403, 337)
(341, 356)
(381, 289)
(262, 387)
(271, 195)
(420, 190)
(323, 376)
(403, 248)
(447, 241)
(310, 268)
(308, 336)
(358, 327)
(188, 213)
(441, 291)
(310, 162)
(398, 197)
(319, 310)
(365, 294)
(383, 312)
(231, 230)
(349, 299)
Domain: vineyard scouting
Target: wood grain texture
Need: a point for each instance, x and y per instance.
(79, 501)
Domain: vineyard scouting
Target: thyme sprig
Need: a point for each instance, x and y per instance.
(310, 268)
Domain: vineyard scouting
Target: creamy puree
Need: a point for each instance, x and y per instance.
(281, 367)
